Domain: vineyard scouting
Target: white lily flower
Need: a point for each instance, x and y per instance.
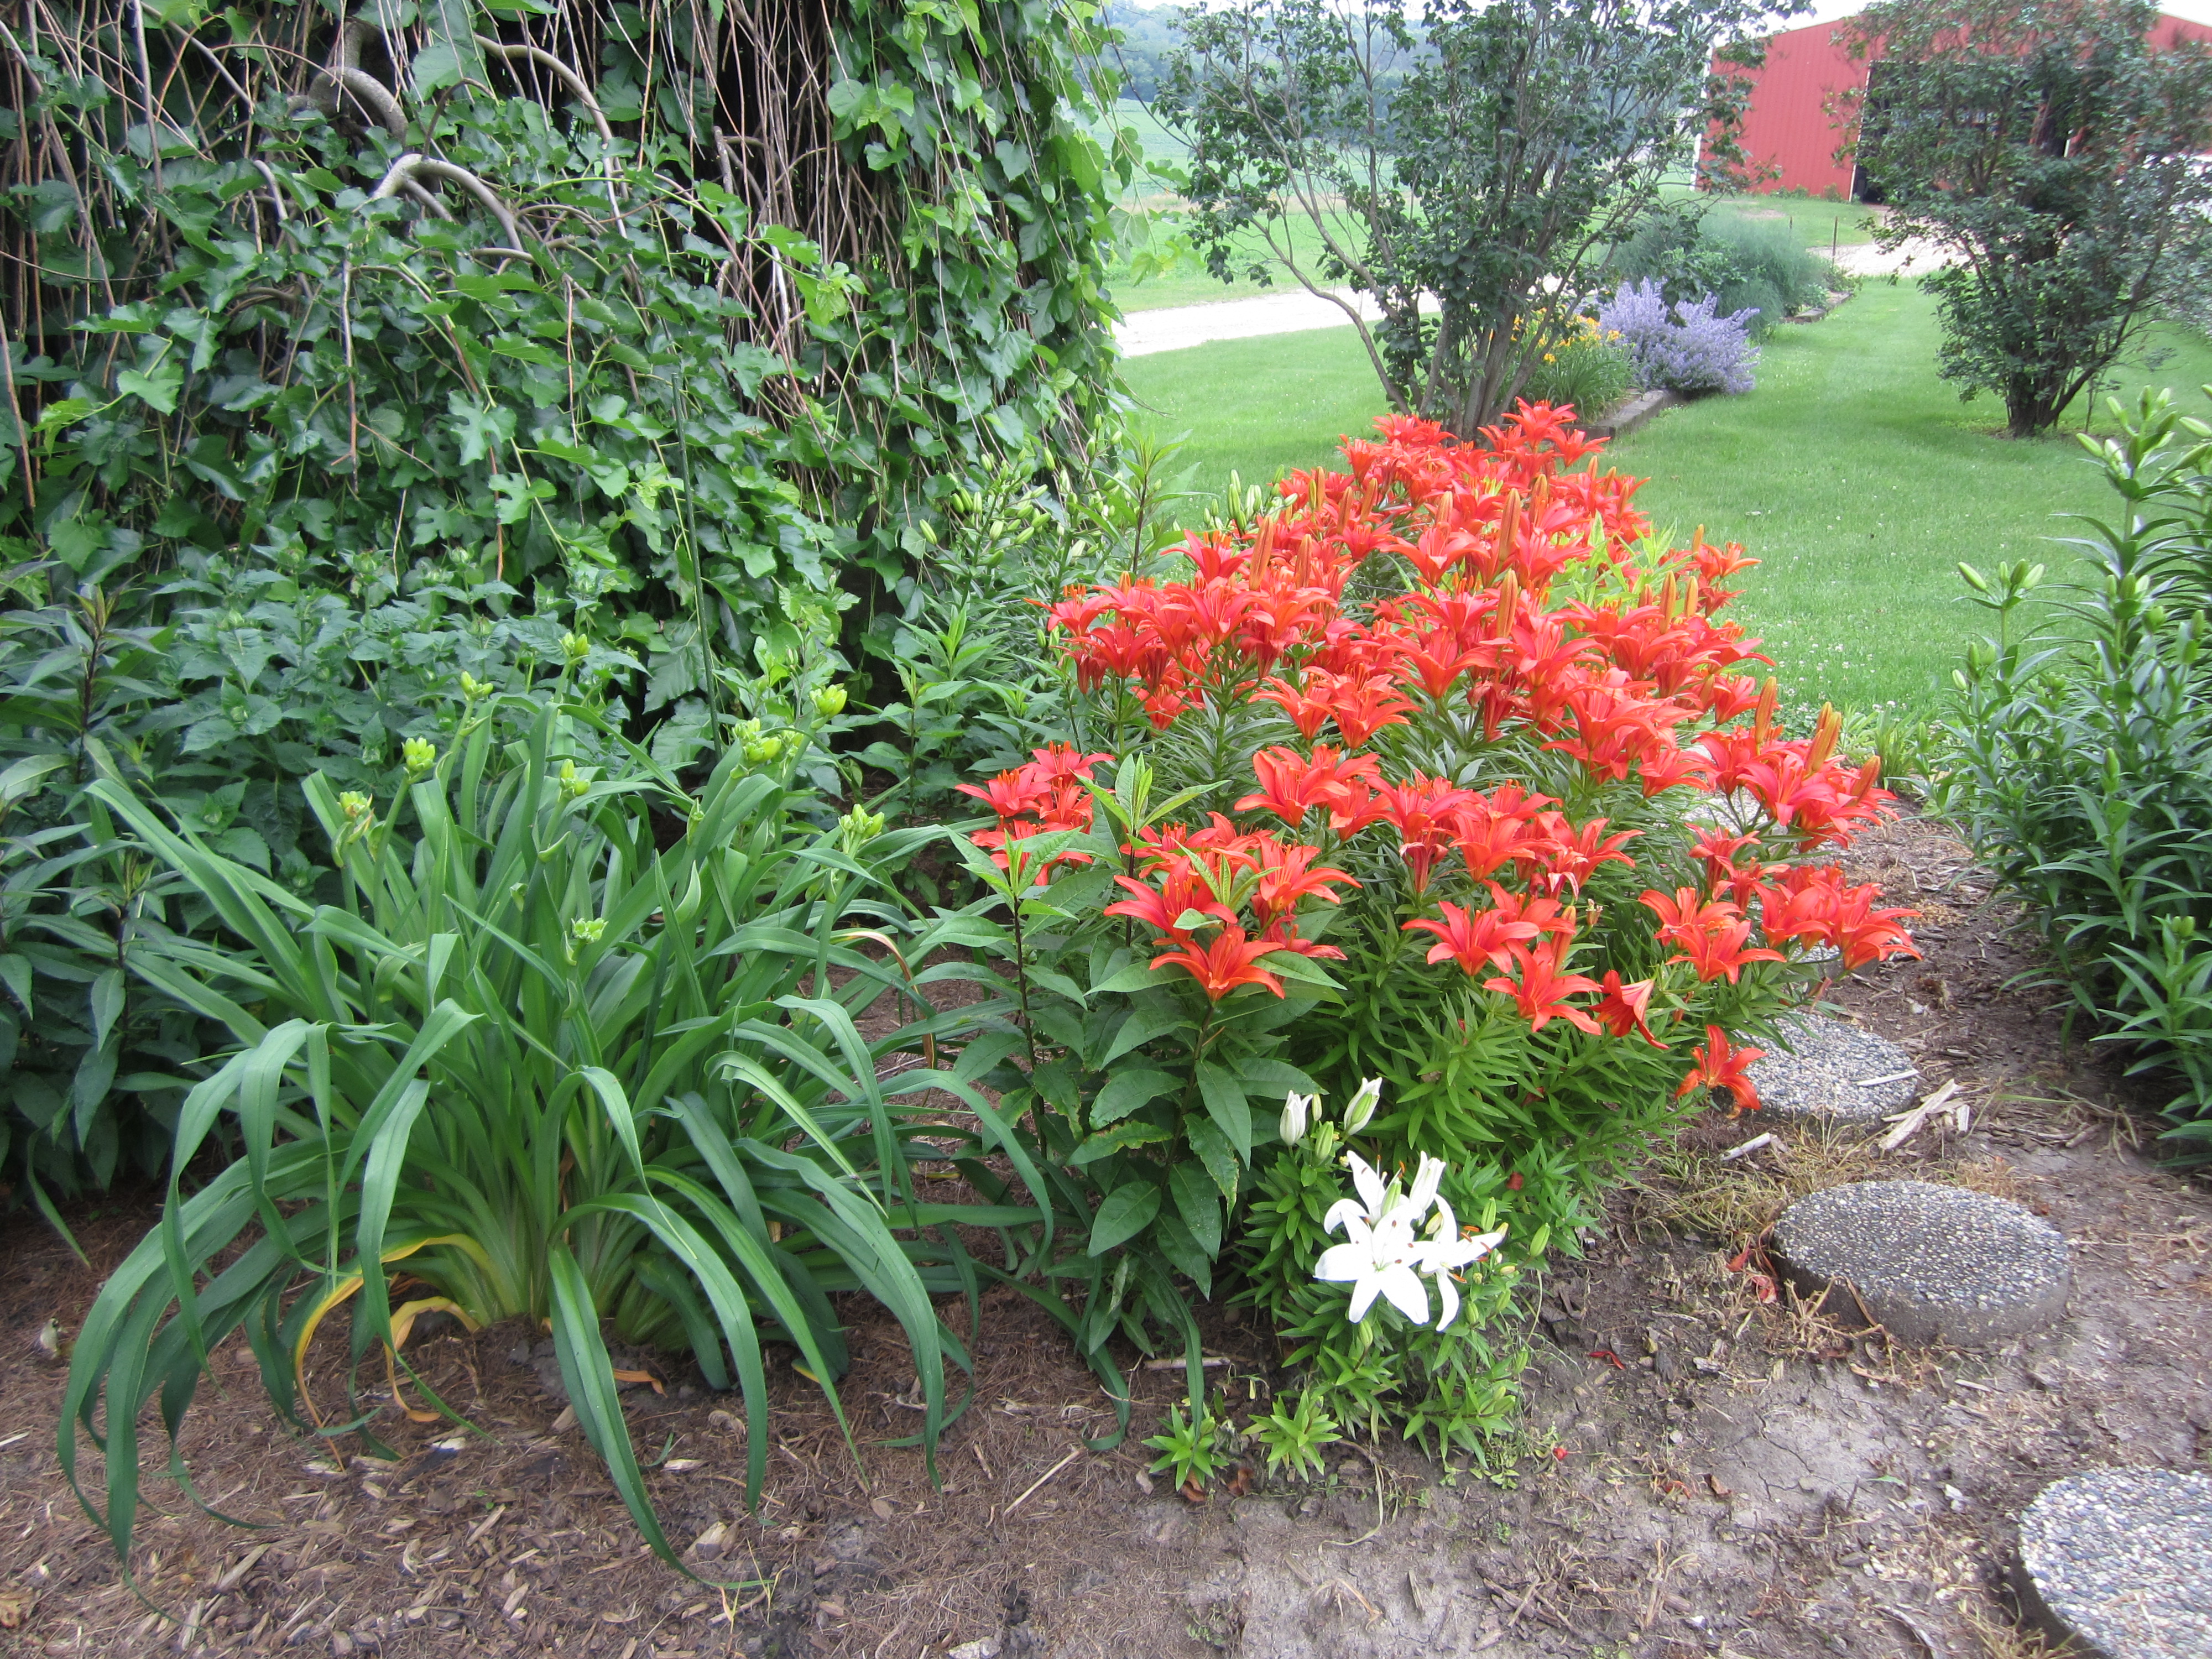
(1377, 1260)
(1359, 1110)
(1444, 1253)
(1369, 1208)
(1296, 1108)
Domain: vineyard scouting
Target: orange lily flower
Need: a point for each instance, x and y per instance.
(1230, 961)
(1721, 1067)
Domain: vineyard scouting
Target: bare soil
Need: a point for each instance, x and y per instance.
(1700, 1470)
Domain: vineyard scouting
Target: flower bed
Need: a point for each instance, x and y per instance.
(1431, 827)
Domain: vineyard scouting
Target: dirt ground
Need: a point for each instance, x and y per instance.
(1700, 1471)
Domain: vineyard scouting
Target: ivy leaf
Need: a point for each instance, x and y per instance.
(517, 492)
(478, 429)
(157, 387)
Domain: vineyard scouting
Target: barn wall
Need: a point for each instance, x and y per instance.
(1789, 136)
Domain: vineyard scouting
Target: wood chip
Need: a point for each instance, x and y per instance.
(1908, 1123)
(229, 1580)
(487, 1523)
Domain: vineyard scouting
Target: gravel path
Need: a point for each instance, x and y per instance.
(1294, 311)
(1913, 257)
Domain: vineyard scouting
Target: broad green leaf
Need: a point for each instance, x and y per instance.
(1128, 1090)
(1128, 1209)
(1199, 1205)
(1223, 1094)
(1219, 1158)
(106, 998)
(1146, 1022)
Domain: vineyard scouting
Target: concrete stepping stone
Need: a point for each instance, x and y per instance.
(1828, 1071)
(1932, 1264)
(2120, 1562)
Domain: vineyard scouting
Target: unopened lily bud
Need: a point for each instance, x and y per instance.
(1359, 1110)
(1296, 1108)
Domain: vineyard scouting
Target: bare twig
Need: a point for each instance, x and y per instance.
(1041, 1478)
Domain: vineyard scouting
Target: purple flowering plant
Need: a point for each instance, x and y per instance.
(1685, 347)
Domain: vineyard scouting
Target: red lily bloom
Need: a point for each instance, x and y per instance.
(1286, 876)
(1721, 1067)
(1180, 893)
(1540, 991)
(1710, 932)
(1230, 961)
(1291, 785)
(1362, 704)
(1566, 855)
(1308, 706)
(1426, 813)
(1624, 1008)
(1475, 939)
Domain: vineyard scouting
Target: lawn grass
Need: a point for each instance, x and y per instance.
(1856, 476)
(1860, 480)
(1256, 408)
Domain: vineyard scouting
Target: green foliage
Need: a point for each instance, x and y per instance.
(1148, 1099)
(420, 357)
(1748, 264)
(1190, 1448)
(1293, 1440)
(1488, 164)
(2051, 150)
(560, 1074)
(2081, 763)
(1580, 369)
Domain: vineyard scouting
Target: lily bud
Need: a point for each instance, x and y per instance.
(1359, 1110)
(1296, 1108)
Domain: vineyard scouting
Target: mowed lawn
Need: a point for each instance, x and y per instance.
(1853, 473)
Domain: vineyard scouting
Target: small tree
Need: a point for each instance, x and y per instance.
(2054, 155)
(1468, 174)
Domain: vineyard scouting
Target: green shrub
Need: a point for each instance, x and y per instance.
(2081, 757)
(577, 345)
(560, 1074)
(1759, 263)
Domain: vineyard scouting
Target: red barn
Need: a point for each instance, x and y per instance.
(1789, 136)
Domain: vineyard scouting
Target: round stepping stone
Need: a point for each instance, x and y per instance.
(1829, 1071)
(2120, 1561)
(1932, 1264)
